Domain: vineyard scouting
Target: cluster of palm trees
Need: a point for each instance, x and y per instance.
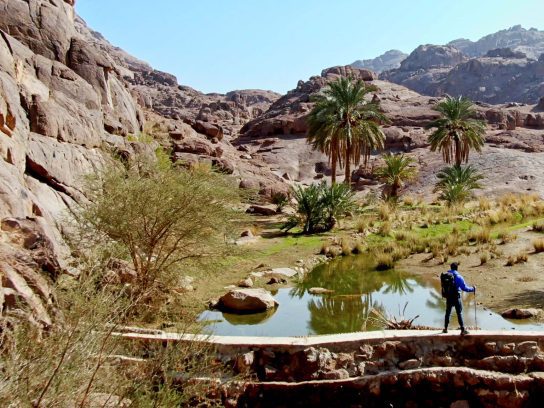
(345, 125)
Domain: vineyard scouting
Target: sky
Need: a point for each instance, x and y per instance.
(224, 45)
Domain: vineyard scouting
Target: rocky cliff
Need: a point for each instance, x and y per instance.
(530, 42)
(67, 96)
(389, 60)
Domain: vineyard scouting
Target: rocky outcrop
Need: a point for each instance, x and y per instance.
(503, 67)
(529, 42)
(385, 62)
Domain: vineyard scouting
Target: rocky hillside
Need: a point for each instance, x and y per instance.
(514, 151)
(507, 66)
(530, 42)
(67, 96)
(389, 60)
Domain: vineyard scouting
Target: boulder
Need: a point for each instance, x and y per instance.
(515, 313)
(247, 301)
(245, 283)
(261, 210)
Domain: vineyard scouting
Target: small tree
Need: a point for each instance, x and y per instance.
(319, 206)
(456, 184)
(344, 125)
(397, 170)
(457, 131)
(162, 216)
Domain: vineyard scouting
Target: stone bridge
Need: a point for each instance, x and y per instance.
(382, 369)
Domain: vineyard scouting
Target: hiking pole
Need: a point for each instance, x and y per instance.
(475, 314)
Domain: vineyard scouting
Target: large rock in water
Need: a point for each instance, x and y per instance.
(247, 301)
(520, 313)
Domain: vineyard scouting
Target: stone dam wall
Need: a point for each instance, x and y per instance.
(377, 369)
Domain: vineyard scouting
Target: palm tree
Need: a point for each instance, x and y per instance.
(456, 131)
(456, 183)
(398, 169)
(344, 125)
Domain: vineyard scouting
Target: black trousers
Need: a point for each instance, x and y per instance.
(451, 303)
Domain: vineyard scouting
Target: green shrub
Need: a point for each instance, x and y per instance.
(162, 216)
(320, 206)
(457, 183)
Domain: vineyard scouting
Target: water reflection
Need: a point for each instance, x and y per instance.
(357, 291)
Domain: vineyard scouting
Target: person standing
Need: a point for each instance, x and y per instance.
(452, 285)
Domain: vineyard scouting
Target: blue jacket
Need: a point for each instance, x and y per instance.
(460, 282)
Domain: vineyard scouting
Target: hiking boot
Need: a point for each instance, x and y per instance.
(445, 331)
(464, 331)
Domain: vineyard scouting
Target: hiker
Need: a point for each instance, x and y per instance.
(452, 283)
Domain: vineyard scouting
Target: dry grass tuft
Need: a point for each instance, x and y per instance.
(521, 257)
(538, 226)
(481, 236)
(505, 237)
(484, 203)
(384, 261)
(484, 258)
(538, 245)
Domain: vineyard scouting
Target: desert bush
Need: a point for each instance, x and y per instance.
(385, 229)
(68, 364)
(281, 201)
(401, 236)
(521, 257)
(452, 245)
(538, 226)
(359, 248)
(505, 237)
(386, 211)
(484, 204)
(384, 261)
(162, 216)
(347, 247)
(481, 236)
(509, 200)
(319, 207)
(410, 201)
(484, 258)
(538, 245)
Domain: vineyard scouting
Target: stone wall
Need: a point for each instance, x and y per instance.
(375, 369)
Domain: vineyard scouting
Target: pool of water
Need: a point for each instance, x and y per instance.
(358, 290)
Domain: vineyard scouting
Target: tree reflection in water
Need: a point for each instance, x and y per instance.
(354, 281)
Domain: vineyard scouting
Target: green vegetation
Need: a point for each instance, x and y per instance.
(319, 206)
(161, 219)
(456, 184)
(397, 170)
(160, 216)
(344, 125)
(456, 131)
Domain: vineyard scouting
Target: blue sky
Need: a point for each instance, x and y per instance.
(222, 45)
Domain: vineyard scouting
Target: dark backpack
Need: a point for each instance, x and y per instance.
(447, 281)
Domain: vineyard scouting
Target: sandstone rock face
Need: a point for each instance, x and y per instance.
(247, 301)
